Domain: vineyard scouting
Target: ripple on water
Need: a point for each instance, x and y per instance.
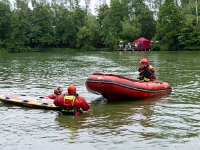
(153, 124)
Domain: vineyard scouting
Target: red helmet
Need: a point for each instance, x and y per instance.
(144, 61)
(71, 89)
(58, 91)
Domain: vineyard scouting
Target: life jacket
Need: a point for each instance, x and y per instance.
(68, 107)
(152, 77)
(147, 73)
(152, 69)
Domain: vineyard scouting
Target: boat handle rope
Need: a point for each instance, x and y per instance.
(99, 83)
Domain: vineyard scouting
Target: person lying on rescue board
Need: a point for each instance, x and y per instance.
(146, 71)
(71, 103)
(57, 92)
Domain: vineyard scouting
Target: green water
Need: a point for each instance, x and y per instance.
(167, 122)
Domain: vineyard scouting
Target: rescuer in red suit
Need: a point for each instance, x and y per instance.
(57, 92)
(71, 103)
(146, 71)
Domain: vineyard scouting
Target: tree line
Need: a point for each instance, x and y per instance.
(39, 24)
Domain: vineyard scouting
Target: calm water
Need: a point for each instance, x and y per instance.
(161, 123)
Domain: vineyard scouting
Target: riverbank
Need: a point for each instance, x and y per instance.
(2, 50)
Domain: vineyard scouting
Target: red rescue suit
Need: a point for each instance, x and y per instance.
(52, 96)
(71, 104)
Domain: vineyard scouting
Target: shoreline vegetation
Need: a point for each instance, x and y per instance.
(2, 50)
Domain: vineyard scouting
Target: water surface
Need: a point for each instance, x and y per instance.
(166, 122)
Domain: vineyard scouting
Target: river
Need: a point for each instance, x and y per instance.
(166, 122)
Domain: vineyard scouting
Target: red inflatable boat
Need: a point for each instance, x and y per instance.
(115, 87)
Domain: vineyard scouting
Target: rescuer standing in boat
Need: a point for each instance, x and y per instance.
(146, 71)
(57, 92)
(71, 103)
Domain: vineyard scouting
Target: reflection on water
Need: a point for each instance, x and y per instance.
(165, 122)
(111, 120)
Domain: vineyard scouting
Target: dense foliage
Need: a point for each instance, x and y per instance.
(40, 24)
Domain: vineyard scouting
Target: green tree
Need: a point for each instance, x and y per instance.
(145, 18)
(5, 18)
(63, 25)
(189, 37)
(168, 26)
(78, 21)
(42, 33)
(18, 40)
(112, 23)
(101, 14)
(20, 27)
(69, 18)
(131, 29)
(88, 35)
